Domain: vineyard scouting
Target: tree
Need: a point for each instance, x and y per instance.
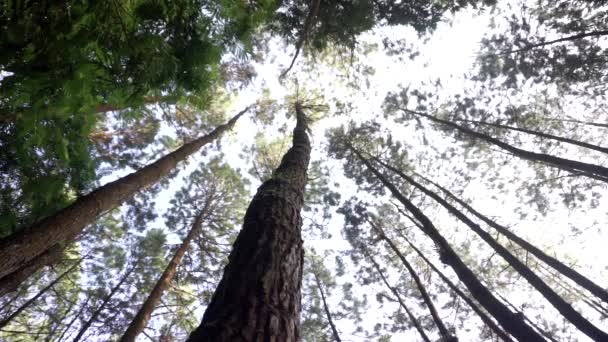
(259, 294)
(18, 249)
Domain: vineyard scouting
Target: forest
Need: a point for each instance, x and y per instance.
(303, 170)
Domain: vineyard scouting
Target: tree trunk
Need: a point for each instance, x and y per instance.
(76, 316)
(482, 315)
(415, 322)
(542, 135)
(443, 330)
(509, 320)
(564, 269)
(560, 40)
(590, 170)
(551, 296)
(101, 307)
(334, 330)
(62, 227)
(143, 315)
(11, 282)
(30, 301)
(521, 314)
(258, 298)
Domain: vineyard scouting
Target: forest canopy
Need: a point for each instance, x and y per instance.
(369, 170)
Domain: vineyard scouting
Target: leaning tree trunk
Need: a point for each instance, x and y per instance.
(258, 298)
(62, 227)
(413, 318)
(443, 330)
(590, 170)
(12, 281)
(103, 304)
(564, 269)
(509, 320)
(40, 293)
(482, 315)
(537, 282)
(332, 325)
(143, 315)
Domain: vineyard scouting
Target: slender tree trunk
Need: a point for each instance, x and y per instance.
(258, 298)
(334, 330)
(396, 294)
(551, 296)
(310, 17)
(103, 304)
(587, 123)
(600, 172)
(62, 227)
(40, 293)
(542, 135)
(487, 320)
(145, 311)
(564, 269)
(443, 330)
(521, 314)
(507, 319)
(11, 282)
(578, 36)
(76, 316)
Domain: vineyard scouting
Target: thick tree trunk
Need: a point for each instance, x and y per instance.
(551, 296)
(542, 135)
(103, 304)
(12, 281)
(258, 298)
(334, 330)
(590, 170)
(509, 320)
(531, 322)
(564, 269)
(443, 330)
(62, 227)
(143, 315)
(487, 320)
(40, 293)
(413, 318)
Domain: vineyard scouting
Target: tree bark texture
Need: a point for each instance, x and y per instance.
(143, 315)
(507, 319)
(533, 279)
(62, 227)
(258, 298)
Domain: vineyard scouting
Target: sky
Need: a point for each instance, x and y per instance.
(448, 55)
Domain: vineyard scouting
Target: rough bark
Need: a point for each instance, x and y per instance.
(103, 304)
(11, 282)
(40, 293)
(62, 227)
(487, 320)
(507, 319)
(145, 311)
(551, 296)
(564, 269)
(415, 322)
(334, 330)
(443, 330)
(258, 298)
(542, 135)
(600, 172)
